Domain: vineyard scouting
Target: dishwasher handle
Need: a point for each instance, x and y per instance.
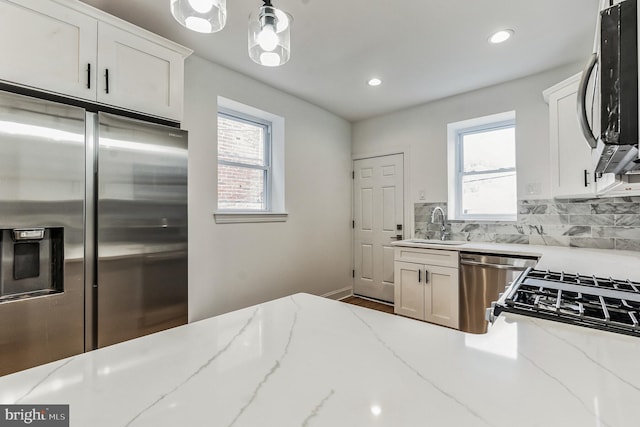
(496, 266)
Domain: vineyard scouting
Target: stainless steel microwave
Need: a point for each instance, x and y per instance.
(616, 141)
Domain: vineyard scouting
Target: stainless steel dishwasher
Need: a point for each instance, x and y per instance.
(482, 278)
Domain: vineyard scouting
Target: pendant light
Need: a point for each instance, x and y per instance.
(203, 16)
(269, 36)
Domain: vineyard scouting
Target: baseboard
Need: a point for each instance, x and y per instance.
(379, 301)
(339, 294)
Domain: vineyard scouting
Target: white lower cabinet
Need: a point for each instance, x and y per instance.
(409, 291)
(427, 285)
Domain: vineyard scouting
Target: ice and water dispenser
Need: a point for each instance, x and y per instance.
(32, 262)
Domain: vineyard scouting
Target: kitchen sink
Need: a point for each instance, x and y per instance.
(436, 242)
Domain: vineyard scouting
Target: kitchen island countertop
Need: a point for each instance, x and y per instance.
(308, 361)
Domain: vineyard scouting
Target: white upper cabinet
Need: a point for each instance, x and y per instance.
(48, 47)
(69, 48)
(138, 74)
(572, 172)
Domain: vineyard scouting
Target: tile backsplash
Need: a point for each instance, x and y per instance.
(590, 223)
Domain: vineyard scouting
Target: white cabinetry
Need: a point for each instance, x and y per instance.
(427, 285)
(571, 157)
(75, 50)
(138, 74)
(49, 47)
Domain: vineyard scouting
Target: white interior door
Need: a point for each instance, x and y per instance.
(378, 216)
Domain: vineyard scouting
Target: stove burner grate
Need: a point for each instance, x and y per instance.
(590, 301)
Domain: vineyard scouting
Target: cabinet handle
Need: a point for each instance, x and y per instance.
(106, 79)
(426, 276)
(586, 178)
(88, 76)
(419, 276)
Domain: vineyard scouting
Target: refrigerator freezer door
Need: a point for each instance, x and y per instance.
(42, 149)
(141, 228)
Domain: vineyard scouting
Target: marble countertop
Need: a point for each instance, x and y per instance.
(308, 361)
(598, 262)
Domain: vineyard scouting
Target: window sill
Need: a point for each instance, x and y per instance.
(248, 217)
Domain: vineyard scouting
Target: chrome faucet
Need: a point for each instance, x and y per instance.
(443, 230)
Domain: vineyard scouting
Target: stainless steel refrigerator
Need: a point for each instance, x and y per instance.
(93, 230)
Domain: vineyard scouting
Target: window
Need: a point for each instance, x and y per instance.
(483, 183)
(244, 162)
(250, 164)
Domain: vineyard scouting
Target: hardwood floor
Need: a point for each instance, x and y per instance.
(368, 304)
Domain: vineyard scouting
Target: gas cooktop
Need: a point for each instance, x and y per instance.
(594, 302)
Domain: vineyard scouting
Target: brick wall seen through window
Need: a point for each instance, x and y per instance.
(243, 163)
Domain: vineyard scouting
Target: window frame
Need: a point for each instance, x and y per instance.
(481, 125)
(267, 125)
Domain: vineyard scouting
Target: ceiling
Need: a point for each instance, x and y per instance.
(422, 49)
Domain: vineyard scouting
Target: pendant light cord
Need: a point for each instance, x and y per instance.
(267, 3)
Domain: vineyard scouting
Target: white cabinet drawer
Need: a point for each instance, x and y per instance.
(442, 258)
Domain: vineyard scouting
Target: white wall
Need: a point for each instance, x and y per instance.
(422, 130)
(236, 265)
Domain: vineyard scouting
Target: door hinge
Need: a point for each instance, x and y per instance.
(353, 175)
(353, 273)
(353, 224)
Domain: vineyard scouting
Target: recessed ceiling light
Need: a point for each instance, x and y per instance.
(374, 82)
(500, 36)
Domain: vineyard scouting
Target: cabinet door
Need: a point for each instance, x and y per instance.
(441, 295)
(48, 46)
(409, 289)
(571, 160)
(138, 74)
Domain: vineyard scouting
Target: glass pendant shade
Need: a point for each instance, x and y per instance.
(270, 36)
(203, 16)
